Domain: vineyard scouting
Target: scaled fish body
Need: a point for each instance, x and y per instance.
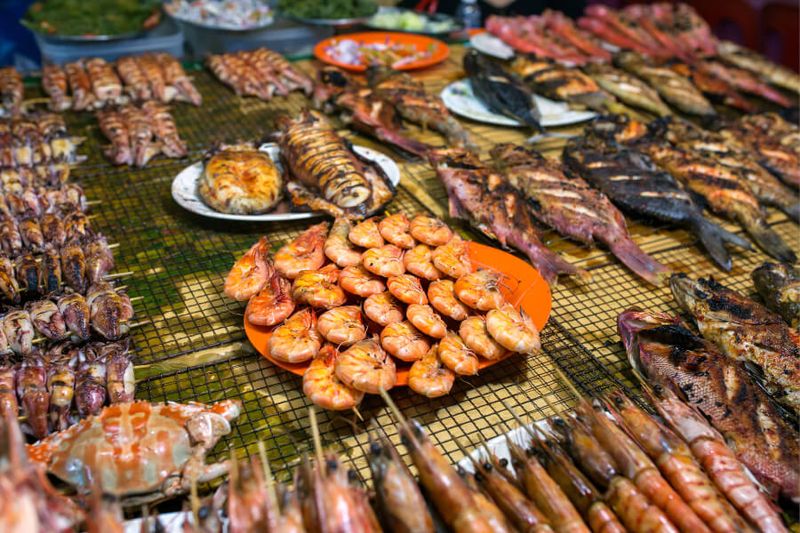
(779, 287)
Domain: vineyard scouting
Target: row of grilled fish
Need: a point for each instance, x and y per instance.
(12, 90)
(56, 387)
(95, 83)
(139, 133)
(37, 139)
(262, 73)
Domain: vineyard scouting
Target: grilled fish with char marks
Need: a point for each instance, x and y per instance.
(779, 287)
(628, 88)
(715, 87)
(746, 331)
(635, 185)
(666, 353)
(320, 160)
(559, 82)
(573, 208)
(747, 59)
(498, 210)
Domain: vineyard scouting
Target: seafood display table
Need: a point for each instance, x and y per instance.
(193, 348)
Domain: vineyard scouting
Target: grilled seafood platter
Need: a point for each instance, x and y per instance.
(240, 179)
(357, 307)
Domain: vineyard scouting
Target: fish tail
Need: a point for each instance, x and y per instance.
(411, 146)
(792, 208)
(714, 238)
(637, 260)
(769, 241)
(549, 264)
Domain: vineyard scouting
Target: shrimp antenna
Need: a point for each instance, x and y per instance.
(468, 455)
(357, 413)
(312, 416)
(272, 495)
(519, 420)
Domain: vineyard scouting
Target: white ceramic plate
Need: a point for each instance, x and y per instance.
(459, 98)
(184, 187)
(490, 45)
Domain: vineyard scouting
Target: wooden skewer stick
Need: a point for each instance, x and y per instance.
(312, 415)
(272, 495)
(39, 340)
(117, 275)
(136, 299)
(113, 245)
(93, 202)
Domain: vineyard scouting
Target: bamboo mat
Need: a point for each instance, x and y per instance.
(194, 347)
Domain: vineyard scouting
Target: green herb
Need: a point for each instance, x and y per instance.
(94, 17)
(328, 9)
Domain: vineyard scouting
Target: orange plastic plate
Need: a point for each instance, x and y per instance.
(420, 42)
(522, 285)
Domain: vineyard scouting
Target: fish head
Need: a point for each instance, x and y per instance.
(645, 332)
(686, 291)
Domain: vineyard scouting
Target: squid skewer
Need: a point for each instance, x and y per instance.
(55, 84)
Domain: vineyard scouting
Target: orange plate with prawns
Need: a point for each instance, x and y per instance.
(521, 285)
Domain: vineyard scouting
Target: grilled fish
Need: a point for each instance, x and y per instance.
(746, 331)
(629, 89)
(674, 88)
(501, 91)
(573, 208)
(747, 59)
(54, 83)
(713, 86)
(416, 104)
(745, 81)
(668, 354)
(779, 287)
(559, 82)
(727, 152)
(320, 161)
(619, 29)
(487, 200)
(635, 185)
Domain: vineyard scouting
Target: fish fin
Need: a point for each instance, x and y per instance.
(792, 210)
(713, 238)
(637, 260)
(770, 242)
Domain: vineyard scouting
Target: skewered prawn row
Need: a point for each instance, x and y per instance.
(37, 139)
(261, 73)
(11, 90)
(419, 293)
(139, 133)
(95, 83)
(56, 387)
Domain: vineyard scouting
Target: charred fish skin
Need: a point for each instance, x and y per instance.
(742, 57)
(779, 287)
(745, 330)
(573, 208)
(502, 91)
(668, 354)
(559, 82)
(636, 185)
(628, 88)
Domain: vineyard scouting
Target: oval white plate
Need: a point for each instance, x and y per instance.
(184, 186)
(490, 45)
(459, 98)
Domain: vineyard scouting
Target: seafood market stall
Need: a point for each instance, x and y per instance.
(188, 340)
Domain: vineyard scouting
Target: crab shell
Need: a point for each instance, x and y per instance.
(135, 448)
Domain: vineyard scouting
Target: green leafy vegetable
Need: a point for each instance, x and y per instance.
(92, 17)
(328, 9)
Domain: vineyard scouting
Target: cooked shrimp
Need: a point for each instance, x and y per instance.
(383, 309)
(418, 261)
(442, 296)
(318, 288)
(407, 289)
(480, 289)
(425, 319)
(486, 507)
(512, 329)
(357, 280)
(452, 259)
(404, 341)
(303, 253)
(429, 377)
(430, 230)
(456, 356)
(296, 340)
(338, 247)
(250, 273)
(677, 464)
(273, 304)
(342, 325)
(366, 367)
(366, 234)
(394, 229)
(322, 386)
(475, 335)
(385, 261)
(717, 459)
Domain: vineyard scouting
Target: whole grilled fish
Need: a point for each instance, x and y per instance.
(749, 60)
(744, 81)
(629, 89)
(716, 88)
(674, 88)
(328, 175)
(559, 82)
(635, 185)
(416, 104)
(779, 287)
(501, 91)
(668, 354)
(746, 331)
(727, 152)
(497, 209)
(573, 208)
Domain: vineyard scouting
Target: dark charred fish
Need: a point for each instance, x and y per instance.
(666, 353)
(636, 185)
(487, 200)
(573, 208)
(746, 331)
(779, 287)
(501, 91)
